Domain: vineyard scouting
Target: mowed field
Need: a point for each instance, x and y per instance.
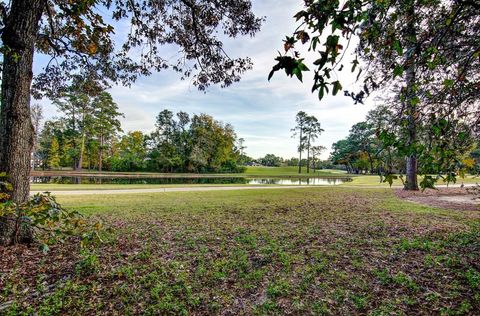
(313, 251)
(292, 171)
(251, 172)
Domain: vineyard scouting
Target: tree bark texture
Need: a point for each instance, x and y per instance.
(411, 105)
(16, 129)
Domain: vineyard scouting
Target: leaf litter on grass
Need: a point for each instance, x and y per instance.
(311, 251)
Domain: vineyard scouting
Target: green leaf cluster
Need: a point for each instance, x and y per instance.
(49, 220)
(292, 66)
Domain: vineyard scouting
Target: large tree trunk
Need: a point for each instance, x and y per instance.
(412, 182)
(370, 161)
(16, 129)
(411, 105)
(74, 139)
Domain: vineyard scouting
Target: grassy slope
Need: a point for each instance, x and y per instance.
(310, 251)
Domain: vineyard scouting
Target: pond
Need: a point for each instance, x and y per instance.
(199, 180)
(299, 181)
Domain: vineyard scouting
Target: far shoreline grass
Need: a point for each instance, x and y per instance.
(251, 172)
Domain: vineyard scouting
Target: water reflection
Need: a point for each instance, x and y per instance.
(202, 180)
(300, 181)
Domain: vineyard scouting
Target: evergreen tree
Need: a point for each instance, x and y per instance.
(313, 130)
(54, 154)
(299, 130)
(105, 122)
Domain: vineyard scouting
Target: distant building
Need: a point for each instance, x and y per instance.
(253, 164)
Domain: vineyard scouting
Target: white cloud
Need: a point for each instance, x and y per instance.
(262, 112)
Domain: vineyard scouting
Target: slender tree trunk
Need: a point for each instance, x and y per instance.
(100, 153)
(80, 156)
(82, 143)
(16, 129)
(411, 106)
(89, 157)
(308, 155)
(370, 160)
(74, 140)
(300, 153)
(412, 182)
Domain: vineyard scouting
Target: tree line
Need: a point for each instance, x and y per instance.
(272, 160)
(88, 135)
(372, 146)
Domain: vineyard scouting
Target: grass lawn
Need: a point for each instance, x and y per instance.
(83, 187)
(374, 180)
(357, 180)
(292, 171)
(251, 172)
(309, 251)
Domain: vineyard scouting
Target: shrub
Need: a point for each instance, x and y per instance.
(46, 217)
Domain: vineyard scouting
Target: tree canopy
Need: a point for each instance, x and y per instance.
(307, 129)
(108, 42)
(179, 143)
(422, 55)
(370, 149)
(118, 41)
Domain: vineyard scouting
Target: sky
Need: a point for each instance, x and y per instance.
(262, 112)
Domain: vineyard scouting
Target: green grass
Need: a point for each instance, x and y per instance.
(374, 180)
(251, 172)
(357, 180)
(291, 171)
(83, 187)
(306, 252)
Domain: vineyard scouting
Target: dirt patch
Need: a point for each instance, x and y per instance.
(447, 198)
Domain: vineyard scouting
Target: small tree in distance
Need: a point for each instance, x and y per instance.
(312, 131)
(308, 129)
(299, 131)
(53, 154)
(316, 152)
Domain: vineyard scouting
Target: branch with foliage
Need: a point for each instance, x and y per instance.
(44, 218)
(423, 56)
